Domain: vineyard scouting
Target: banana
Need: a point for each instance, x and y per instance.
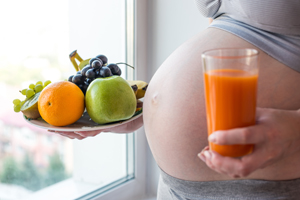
(83, 63)
(135, 88)
(73, 56)
(141, 88)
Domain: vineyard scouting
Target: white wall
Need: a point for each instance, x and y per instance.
(169, 24)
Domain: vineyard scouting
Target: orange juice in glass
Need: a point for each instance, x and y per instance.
(230, 79)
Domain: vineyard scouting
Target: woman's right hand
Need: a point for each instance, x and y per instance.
(123, 128)
(276, 136)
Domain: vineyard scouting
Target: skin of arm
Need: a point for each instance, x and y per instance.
(276, 136)
(124, 128)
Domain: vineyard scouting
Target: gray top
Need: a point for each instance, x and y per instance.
(274, 29)
(170, 187)
(277, 16)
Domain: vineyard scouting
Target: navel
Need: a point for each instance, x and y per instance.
(154, 99)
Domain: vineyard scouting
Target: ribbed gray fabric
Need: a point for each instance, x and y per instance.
(271, 25)
(208, 8)
(284, 48)
(277, 16)
(171, 188)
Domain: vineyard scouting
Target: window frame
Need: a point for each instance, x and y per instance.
(135, 189)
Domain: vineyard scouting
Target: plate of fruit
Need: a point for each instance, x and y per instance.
(84, 123)
(94, 98)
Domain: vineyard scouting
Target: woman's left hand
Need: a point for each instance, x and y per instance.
(275, 136)
(123, 128)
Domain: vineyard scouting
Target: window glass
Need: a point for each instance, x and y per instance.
(36, 40)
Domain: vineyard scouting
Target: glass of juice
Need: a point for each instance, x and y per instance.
(230, 80)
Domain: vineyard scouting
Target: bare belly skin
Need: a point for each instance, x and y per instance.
(174, 108)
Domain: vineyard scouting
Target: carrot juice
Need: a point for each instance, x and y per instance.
(230, 103)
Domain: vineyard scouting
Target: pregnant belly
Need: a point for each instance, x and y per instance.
(175, 115)
(175, 122)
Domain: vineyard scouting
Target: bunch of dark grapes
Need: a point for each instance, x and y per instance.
(97, 68)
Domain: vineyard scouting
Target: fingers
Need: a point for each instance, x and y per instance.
(234, 167)
(123, 128)
(219, 163)
(270, 137)
(248, 135)
(87, 133)
(71, 135)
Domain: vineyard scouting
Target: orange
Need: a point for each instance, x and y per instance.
(61, 103)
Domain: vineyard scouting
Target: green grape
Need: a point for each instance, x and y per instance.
(16, 101)
(39, 83)
(47, 83)
(22, 102)
(29, 93)
(24, 91)
(17, 108)
(31, 86)
(38, 88)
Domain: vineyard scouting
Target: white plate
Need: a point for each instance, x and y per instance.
(83, 124)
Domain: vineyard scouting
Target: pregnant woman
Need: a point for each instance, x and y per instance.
(178, 138)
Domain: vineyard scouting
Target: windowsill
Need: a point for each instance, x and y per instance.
(66, 190)
(69, 190)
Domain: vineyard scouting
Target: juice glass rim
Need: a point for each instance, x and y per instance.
(247, 52)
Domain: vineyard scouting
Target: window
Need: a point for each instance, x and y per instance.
(39, 36)
(33, 43)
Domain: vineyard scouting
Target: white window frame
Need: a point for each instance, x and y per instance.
(135, 189)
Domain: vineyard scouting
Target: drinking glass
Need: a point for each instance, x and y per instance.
(230, 81)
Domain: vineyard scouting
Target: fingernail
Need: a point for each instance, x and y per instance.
(77, 133)
(212, 138)
(81, 134)
(201, 156)
(207, 155)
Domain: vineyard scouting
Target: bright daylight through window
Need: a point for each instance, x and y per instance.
(36, 41)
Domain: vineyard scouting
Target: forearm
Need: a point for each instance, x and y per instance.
(128, 127)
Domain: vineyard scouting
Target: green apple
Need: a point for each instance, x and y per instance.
(110, 99)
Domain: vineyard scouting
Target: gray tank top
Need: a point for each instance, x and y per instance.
(271, 25)
(277, 16)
